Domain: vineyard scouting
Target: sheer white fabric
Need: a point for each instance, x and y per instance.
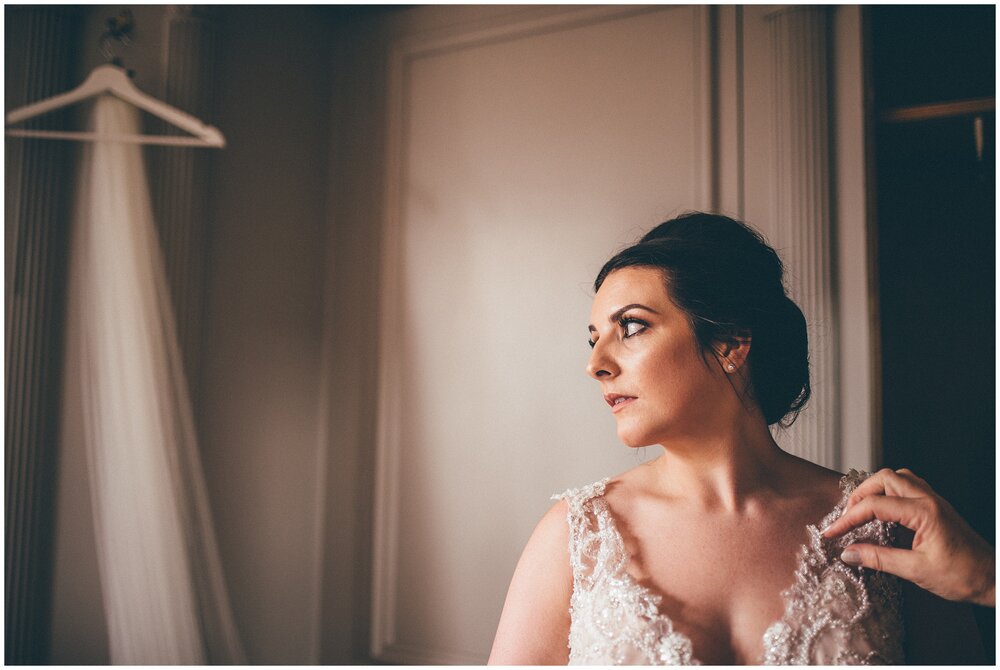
(161, 582)
(834, 614)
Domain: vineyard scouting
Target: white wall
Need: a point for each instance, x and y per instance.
(260, 415)
(523, 150)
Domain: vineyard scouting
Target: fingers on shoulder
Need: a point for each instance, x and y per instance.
(874, 485)
(910, 512)
(898, 562)
(889, 482)
(911, 477)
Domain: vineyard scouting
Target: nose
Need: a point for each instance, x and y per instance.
(601, 364)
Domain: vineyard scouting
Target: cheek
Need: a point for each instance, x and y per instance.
(674, 371)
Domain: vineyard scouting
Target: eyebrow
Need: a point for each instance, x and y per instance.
(619, 312)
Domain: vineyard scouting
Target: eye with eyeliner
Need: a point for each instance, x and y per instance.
(627, 321)
(624, 323)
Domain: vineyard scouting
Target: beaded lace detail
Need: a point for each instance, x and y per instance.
(835, 614)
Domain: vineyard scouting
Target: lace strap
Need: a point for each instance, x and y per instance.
(842, 612)
(579, 518)
(852, 480)
(576, 498)
(875, 531)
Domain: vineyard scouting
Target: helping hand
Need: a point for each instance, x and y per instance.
(947, 558)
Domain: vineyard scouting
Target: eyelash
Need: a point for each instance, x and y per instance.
(623, 323)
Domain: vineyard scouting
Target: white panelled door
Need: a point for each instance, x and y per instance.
(521, 156)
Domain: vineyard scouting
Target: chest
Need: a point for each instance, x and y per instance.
(689, 589)
(721, 585)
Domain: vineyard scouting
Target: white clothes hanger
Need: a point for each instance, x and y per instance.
(114, 80)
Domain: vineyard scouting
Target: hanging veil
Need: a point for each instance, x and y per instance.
(161, 580)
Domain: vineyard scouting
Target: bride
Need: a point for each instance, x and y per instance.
(712, 552)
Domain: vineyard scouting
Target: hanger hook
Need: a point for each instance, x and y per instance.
(118, 28)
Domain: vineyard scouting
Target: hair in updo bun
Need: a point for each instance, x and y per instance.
(730, 283)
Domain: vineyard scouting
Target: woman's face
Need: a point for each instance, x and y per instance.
(648, 362)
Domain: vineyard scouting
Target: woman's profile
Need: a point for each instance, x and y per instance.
(712, 552)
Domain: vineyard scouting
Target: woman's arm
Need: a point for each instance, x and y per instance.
(534, 625)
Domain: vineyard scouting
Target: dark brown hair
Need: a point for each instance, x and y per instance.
(730, 283)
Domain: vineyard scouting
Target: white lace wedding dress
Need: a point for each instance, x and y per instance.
(834, 613)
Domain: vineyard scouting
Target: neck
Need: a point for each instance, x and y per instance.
(726, 468)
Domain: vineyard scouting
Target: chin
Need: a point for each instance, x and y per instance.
(634, 432)
(635, 439)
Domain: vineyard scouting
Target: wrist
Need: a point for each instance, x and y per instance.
(985, 595)
(990, 598)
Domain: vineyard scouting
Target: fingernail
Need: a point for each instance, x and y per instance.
(851, 557)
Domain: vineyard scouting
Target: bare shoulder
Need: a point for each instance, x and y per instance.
(534, 624)
(552, 531)
(816, 482)
(632, 483)
(546, 555)
(816, 472)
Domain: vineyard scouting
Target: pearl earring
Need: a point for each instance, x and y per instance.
(730, 367)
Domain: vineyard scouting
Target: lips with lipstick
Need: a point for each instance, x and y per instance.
(618, 401)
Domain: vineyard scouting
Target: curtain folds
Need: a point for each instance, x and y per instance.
(161, 579)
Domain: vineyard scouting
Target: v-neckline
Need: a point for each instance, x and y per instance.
(803, 552)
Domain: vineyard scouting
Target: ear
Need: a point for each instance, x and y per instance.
(733, 353)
